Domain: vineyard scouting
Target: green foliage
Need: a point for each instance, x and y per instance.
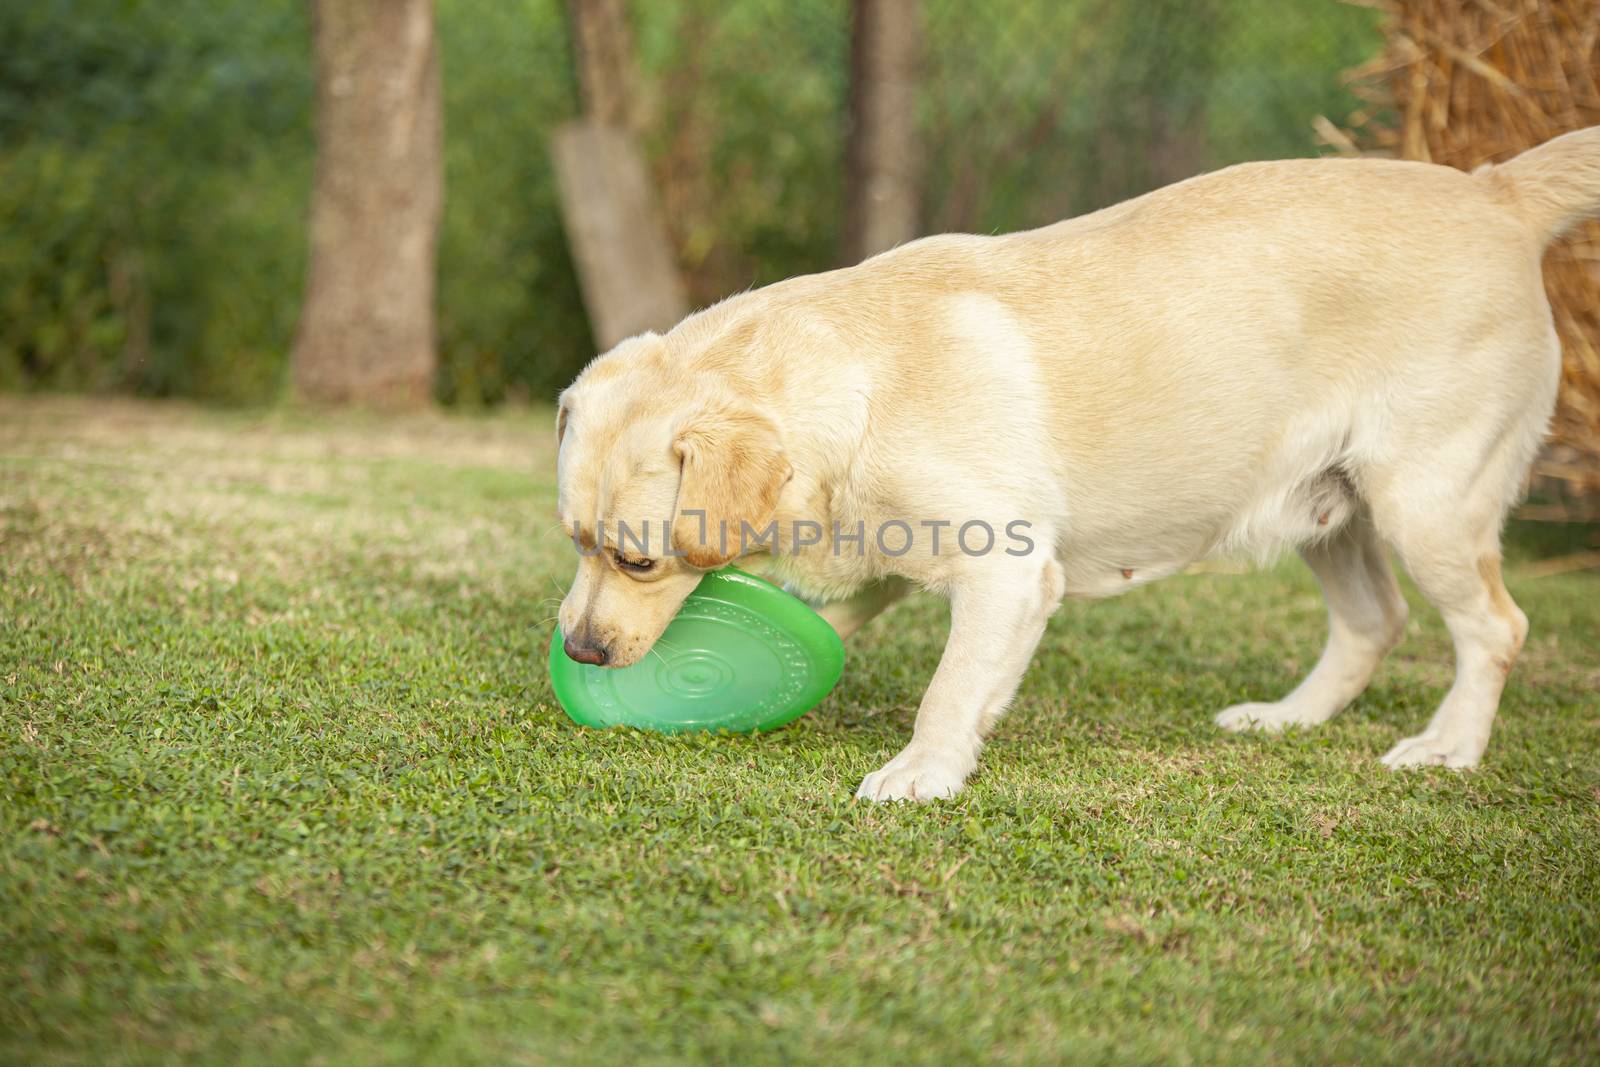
(152, 177)
(511, 323)
(155, 159)
(1067, 107)
(749, 134)
(284, 784)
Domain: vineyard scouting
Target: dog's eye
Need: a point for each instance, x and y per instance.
(638, 566)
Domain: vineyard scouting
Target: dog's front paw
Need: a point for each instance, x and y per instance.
(1434, 750)
(916, 774)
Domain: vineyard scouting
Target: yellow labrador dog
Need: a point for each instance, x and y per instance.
(1330, 355)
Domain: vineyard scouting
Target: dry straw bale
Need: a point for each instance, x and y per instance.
(1468, 82)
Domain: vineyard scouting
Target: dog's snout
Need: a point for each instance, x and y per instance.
(584, 652)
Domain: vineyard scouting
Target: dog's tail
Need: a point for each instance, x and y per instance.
(1554, 186)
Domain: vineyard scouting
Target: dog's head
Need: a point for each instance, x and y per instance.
(658, 472)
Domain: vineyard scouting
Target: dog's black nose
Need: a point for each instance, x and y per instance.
(595, 656)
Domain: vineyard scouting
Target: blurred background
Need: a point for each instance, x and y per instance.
(398, 202)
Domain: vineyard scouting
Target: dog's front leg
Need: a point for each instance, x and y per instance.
(849, 615)
(997, 615)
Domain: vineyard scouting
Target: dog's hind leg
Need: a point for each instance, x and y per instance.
(1457, 568)
(1366, 618)
(1439, 498)
(1442, 510)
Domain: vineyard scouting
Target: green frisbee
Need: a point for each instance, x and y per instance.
(742, 655)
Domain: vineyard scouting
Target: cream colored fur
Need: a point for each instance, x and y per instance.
(1329, 355)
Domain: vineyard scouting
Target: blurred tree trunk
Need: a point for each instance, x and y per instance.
(367, 328)
(883, 156)
(602, 49)
(626, 267)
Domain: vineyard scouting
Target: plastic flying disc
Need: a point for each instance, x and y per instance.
(741, 655)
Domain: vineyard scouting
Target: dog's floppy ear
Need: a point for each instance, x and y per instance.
(733, 469)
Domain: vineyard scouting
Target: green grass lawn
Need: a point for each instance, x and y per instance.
(283, 783)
